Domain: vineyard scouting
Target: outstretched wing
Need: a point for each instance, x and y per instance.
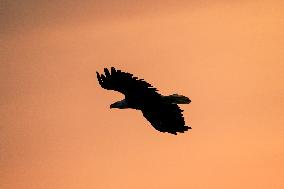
(165, 117)
(127, 84)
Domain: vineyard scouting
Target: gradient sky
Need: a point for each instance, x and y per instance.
(56, 128)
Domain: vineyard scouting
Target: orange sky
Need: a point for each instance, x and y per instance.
(57, 130)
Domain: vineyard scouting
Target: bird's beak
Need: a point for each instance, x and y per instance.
(112, 106)
(120, 104)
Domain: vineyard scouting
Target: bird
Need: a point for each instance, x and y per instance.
(161, 111)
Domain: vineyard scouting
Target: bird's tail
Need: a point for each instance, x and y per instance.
(177, 99)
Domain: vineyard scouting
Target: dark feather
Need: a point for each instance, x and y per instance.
(125, 83)
(164, 116)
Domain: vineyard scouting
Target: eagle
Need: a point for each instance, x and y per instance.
(161, 111)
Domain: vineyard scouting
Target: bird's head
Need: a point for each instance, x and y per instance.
(120, 104)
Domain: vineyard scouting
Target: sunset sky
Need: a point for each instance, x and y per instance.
(56, 128)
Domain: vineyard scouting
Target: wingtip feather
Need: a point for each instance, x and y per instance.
(112, 70)
(106, 72)
(99, 78)
(98, 75)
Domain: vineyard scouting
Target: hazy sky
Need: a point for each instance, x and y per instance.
(56, 128)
